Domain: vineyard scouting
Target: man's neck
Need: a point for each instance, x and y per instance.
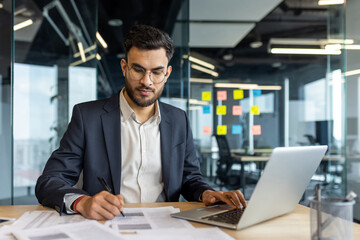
(142, 113)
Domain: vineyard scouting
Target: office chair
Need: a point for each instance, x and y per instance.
(228, 178)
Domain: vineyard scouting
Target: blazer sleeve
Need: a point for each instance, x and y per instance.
(193, 184)
(64, 166)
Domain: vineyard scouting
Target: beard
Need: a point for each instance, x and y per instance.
(142, 101)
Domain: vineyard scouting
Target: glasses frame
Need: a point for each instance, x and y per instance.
(150, 72)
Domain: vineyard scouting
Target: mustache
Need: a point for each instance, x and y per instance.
(142, 88)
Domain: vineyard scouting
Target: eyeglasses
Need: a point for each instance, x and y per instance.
(137, 73)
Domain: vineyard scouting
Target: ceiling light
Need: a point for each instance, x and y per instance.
(115, 22)
(98, 57)
(339, 46)
(201, 62)
(256, 44)
(198, 102)
(352, 72)
(308, 41)
(228, 57)
(1, 5)
(93, 47)
(341, 41)
(306, 51)
(81, 50)
(201, 80)
(236, 85)
(205, 70)
(330, 2)
(101, 40)
(23, 24)
(92, 56)
(20, 11)
(274, 87)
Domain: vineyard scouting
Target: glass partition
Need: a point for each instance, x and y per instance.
(6, 84)
(55, 68)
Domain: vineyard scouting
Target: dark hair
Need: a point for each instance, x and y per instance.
(150, 38)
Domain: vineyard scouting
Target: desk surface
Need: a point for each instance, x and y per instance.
(295, 225)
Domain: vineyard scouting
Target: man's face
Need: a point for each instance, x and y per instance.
(143, 91)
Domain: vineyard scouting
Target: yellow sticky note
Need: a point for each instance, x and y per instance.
(238, 94)
(220, 110)
(206, 96)
(207, 130)
(222, 129)
(254, 110)
(256, 130)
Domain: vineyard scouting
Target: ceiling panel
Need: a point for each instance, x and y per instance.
(231, 10)
(211, 35)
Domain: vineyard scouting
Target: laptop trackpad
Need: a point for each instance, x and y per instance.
(205, 211)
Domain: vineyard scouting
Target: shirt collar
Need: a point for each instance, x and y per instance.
(128, 112)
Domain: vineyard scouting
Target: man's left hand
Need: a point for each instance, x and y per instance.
(235, 198)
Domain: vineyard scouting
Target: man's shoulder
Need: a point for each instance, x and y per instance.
(101, 104)
(170, 108)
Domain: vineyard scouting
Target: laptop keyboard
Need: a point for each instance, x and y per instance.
(231, 216)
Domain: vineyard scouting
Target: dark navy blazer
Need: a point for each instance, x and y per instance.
(92, 143)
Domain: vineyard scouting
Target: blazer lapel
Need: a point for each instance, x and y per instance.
(112, 134)
(166, 143)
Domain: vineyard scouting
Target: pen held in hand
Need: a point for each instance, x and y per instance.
(107, 188)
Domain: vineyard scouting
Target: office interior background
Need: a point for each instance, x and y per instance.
(236, 72)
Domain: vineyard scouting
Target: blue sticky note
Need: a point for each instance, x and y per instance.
(257, 92)
(236, 129)
(206, 109)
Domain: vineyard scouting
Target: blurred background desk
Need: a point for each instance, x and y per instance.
(295, 225)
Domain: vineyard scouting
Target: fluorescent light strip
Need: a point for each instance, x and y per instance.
(93, 47)
(341, 41)
(1, 5)
(201, 62)
(306, 51)
(81, 50)
(197, 102)
(98, 57)
(247, 86)
(236, 85)
(353, 72)
(339, 46)
(201, 80)
(92, 56)
(23, 24)
(101, 40)
(307, 41)
(330, 2)
(205, 70)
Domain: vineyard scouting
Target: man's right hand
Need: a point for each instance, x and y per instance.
(101, 206)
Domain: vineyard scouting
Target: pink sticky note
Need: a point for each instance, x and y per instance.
(256, 130)
(207, 130)
(237, 110)
(221, 95)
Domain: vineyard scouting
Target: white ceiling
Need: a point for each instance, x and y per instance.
(243, 14)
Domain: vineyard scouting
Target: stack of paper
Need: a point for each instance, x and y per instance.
(138, 223)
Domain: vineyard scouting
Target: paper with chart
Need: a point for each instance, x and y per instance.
(138, 219)
(88, 230)
(37, 219)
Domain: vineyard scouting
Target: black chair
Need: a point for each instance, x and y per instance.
(228, 178)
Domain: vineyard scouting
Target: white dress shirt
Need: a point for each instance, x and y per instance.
(141, 175)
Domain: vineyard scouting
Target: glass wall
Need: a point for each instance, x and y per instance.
(50, 77)
(6, 82)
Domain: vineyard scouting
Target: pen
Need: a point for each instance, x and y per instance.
(107, 188)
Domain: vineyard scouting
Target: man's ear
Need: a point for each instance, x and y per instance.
(123, 66)
(168, 72)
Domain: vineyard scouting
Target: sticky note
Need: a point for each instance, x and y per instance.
(238, 94)
(254, 110)
(206, 96)
(207, 130)
(206, 109)
(236, 129)
(256, 130)
(237, 110)
(221, 95)
(220, 110)
(256, 92)
(222, 129)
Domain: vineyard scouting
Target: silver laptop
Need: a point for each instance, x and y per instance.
(278, 191)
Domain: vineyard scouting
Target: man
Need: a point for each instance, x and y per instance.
(141, 147)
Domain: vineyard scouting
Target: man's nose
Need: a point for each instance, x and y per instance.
(146, 80)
